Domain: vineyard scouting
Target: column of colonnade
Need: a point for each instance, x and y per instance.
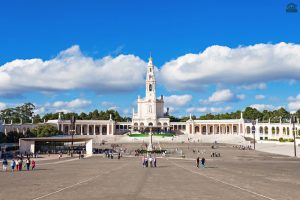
(84, 129)
(218, 128)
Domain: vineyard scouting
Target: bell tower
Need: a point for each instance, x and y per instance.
(150, 81)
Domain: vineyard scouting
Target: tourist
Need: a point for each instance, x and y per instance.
(119, 156)
(4, 165)
(20, 164)
(198, 161)
(13, 165)
(150, 161)
(28, 164)
(17, 164)
(144, 161)
(154, 161)
(32, 165)
(203, 162)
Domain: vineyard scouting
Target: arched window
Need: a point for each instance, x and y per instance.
(211, 129)
(150, 87)
(197, 130)
(277, 130)
(248, 130)
(261, 130)
(266, 130)
(150, 124)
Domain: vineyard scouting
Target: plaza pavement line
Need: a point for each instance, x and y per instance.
(78, 183)
(225, 183)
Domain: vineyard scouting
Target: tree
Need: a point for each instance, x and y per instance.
(252, 113)
(45, 130)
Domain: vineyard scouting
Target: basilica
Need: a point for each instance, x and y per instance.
(150, 116)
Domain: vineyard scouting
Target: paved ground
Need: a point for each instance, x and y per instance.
(236, 175)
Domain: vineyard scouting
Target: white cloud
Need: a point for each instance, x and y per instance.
(221, 96)
(242, 66)
(294, 103)
(260, 86)
(107, 104)
(177, 100)
(262, 107)
(2, 106)
(75, 105)
(70, 69)
(240, 96)
(260, 97)
(208, 109)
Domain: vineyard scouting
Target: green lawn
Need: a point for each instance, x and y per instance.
(155, 135)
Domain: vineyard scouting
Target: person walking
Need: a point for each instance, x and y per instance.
(13, 165)
(198, 161)
(28, 164)
(154, 162)
(203, 162)
(4, 165)
(150, 161)
(17, 164)
(143, 161)
(146, 161)
(32, 165)
(20, 164)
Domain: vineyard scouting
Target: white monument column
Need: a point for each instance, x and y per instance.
(81, 132)
(94, 129)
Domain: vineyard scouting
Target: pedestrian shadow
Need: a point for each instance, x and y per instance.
(211, 167)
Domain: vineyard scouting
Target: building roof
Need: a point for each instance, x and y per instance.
(58, 139)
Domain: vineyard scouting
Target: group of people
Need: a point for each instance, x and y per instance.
(215, 154)
(202, 162)
(149, 161)
(242, 147)
(18, 164)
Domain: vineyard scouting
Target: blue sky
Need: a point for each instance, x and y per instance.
(225, 55)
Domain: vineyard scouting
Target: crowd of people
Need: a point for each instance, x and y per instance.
(242, 147)
(149, 161)
(18, 164)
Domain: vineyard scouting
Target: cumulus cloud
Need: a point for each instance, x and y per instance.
(177, 100)
(208, 109)
(2, 106)
(244, 65)
(69, 70)
(221, 96)
(75, 105)
(294, 103)
(262, 107)
(260, 97)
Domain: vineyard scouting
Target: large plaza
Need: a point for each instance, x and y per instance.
(237, 174)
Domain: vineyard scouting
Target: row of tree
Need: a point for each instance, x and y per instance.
(25, 113)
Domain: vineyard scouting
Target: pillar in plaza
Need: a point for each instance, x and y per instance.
(101, 130)
(94, 129)
(81, 129)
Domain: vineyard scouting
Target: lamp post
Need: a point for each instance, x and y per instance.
(72, 132)
(294, 120)
(253, 131)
